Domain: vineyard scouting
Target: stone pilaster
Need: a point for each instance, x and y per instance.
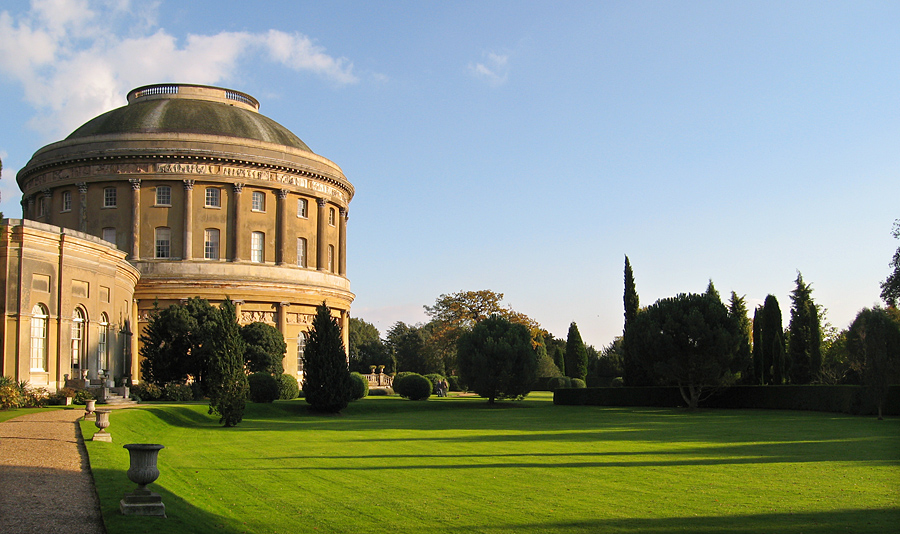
(321, 241)
(237, 242)
(342, 242)
(281, 238)
(188, 219)
(82, 206)
(135, 217)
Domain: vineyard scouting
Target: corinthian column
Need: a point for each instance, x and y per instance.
(236, 228)
(321, 245)
(188, 219)
(135, 218)
(82, 206)
(342, 242)
(281, 244)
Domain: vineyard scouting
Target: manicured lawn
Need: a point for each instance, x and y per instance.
(458, 465)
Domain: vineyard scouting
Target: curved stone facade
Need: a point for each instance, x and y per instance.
(207, 198)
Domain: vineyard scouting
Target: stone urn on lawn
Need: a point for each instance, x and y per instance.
(102, 423)
(89, 406)
(143, 471)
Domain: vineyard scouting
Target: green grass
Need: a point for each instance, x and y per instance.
(459, 465)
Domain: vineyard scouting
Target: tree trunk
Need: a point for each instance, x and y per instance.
(691, 395)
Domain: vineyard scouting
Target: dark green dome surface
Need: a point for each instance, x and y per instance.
(191, 117)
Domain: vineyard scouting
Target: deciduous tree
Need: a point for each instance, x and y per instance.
(497, 360)
(890, 288)
(874, 340)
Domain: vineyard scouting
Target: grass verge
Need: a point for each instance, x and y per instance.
(459, 465)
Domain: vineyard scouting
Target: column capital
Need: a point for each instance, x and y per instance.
(47, 192)
(283, 194)
(188, 185)
(135, 183)
(238, 187)
(320, 202)
(82, 187)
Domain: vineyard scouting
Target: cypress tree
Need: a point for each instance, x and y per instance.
(576, 354)
(635, 375)
(772, 342)
(759, 377)
(327, 385)
(805, 337)
(737, 310)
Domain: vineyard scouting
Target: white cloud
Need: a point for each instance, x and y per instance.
(71, 70)
(494, 69)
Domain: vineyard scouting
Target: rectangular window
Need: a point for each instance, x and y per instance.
(256, 247)
(67, 201)
(301, 252)
(302, 208)
(109, 234)
(163, 242)
(109, 197)
(41, 206)
(213, 197)
(301, 348)
(331, 216)
(38, 339)
(259, 201)
(331, 258)
(163, 195)
(211, 244)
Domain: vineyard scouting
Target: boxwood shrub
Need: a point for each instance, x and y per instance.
(263, 387)
(360, 386)
(413, 386)
(288, 388)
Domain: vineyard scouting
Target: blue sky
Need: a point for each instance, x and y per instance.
(527, 147)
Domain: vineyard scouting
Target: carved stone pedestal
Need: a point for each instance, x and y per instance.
(143, 471)
(142, 502)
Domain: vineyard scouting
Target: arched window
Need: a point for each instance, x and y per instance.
(39, 319)
(301, 348)
(78, 320)
(103, 343)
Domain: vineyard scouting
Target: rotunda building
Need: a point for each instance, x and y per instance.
(207, 197)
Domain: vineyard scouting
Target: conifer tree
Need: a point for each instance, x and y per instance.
(759, 377)
(771, 342)
(576, 354)
(223, 346)
(327, 385)
(737, 309)
(635, 375)
(805, 338)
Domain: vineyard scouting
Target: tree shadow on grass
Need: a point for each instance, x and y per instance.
(880, 521)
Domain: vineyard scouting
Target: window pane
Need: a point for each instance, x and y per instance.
(211, 244)
(109, 197)
(259, 201)
(256, 247)
(331, 216)
(163, 242)
(38, 339)
(302, 206)
(212, 197)
(164, 195)
(67, 201)
(109, 234)
(301, 252)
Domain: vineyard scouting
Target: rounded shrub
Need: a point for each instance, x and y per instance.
(177, 392)
(146, 391)
(557, 382)
(10, 395)
(82, 395)
(288, 388)
(360, 386)
(413, 387)
(577, 383)
(263, 387)
(401, 375)
(381, 391)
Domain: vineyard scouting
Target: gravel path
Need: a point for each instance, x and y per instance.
(45, 476)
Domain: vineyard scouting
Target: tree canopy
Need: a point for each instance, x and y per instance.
(265, 348)
(890, 288)
(497, 360)
(874, 341)
(576, 355)
(804, 335)
(688, 340)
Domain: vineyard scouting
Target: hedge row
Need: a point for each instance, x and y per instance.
(855, 400)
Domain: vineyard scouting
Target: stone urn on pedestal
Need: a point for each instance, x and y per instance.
(89, 406)
(102, 423)
(143, 471)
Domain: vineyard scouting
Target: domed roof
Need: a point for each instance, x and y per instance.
(190, 109)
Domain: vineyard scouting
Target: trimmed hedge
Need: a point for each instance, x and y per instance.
(288, 388)
(413, 386)
(360, 386)
(855, 400)
(263, 387)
